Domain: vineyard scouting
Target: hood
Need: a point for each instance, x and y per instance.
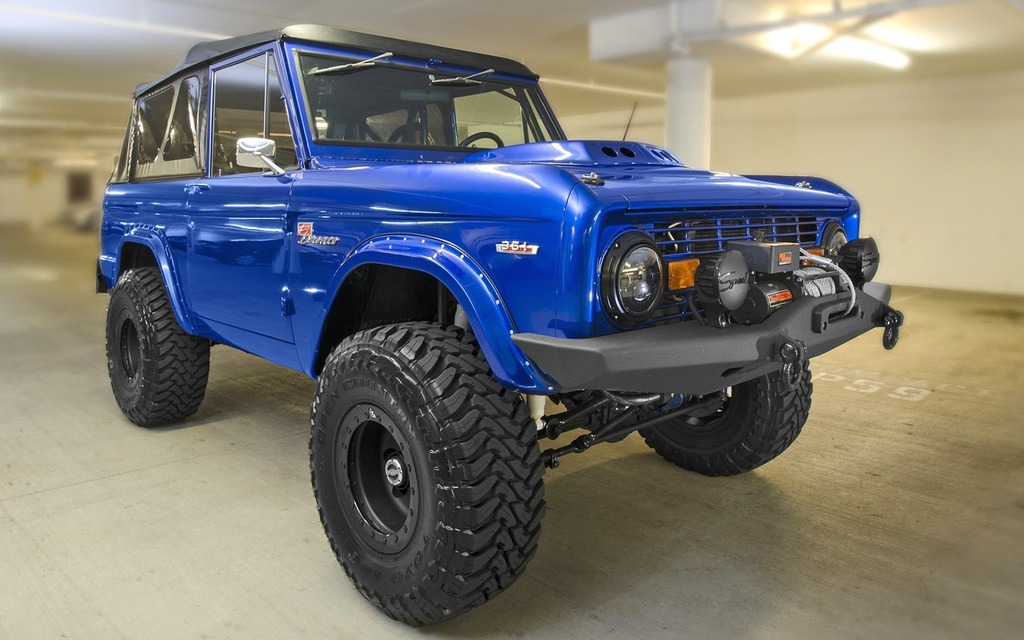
(648, 177)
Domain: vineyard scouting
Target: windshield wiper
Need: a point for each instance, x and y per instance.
(351, 66)
(461, 81)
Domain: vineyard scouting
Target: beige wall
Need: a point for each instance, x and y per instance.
(936, 165)
(38, 195)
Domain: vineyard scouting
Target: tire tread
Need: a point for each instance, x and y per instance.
(176, 364)
(777, 419)
(493, 475)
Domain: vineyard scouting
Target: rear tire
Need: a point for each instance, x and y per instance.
(426, 471)
(158, 373)
(755, 424)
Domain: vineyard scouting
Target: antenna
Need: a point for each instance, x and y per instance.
(631, 113)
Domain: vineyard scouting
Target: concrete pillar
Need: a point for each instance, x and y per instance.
(688, 110)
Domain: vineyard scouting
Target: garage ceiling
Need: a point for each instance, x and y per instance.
(68, 66)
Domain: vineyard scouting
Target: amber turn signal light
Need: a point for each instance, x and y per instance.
(814, 251)
(681, 273)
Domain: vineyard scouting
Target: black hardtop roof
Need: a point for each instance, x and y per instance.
(205, 52)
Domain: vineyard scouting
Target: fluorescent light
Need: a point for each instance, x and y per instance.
(131, 25)
(69, 95)
(867, 51)
(899, 37)
(792, 42)
(75, 163)
(55, 125)
(590, 86)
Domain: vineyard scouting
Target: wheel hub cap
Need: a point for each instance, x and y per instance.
(394, 471)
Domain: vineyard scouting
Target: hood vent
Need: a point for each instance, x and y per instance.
(589, 153)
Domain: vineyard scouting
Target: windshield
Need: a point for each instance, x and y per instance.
(374, 102)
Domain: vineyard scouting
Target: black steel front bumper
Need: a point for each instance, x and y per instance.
(695, 359)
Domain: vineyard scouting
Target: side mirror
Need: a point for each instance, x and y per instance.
(257, 153)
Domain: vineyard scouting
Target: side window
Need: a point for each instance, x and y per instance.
(151, 124)
(164, 132)
(181, 134)
(280, 129)
(248, 102)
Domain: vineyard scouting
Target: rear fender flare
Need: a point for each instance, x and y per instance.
(157, 244)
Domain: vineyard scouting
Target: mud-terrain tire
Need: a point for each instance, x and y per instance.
(157, 371)
(426, 471)
(759, 420)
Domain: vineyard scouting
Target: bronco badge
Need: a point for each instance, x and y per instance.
(306, 235)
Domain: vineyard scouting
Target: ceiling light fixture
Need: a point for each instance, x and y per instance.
(796, 40)
(867, 51)
(899, 36)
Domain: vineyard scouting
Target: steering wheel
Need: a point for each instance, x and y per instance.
(399, 133)
(482, 135)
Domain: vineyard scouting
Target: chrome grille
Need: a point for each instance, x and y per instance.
(695, 237)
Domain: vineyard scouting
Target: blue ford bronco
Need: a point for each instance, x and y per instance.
(409, 226)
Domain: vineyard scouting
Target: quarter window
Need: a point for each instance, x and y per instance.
(164, 132)
(151, 124)
(181, 136)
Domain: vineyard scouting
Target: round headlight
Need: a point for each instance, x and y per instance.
(833, 239)
(639, 280)
(632, 278)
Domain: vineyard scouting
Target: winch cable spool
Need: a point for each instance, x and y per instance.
(832, 266)
(818, 287)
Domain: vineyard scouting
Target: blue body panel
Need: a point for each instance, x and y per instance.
(236, 272)
(408, 215)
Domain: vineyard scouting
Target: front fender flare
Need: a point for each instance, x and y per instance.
(479, 298)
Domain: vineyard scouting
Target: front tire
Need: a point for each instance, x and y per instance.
(426, 471)
(158, 373)
(753, 424)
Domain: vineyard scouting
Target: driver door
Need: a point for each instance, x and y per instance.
(238, 216)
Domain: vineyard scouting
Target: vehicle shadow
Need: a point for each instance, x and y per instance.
(634, 547)
(243, 387)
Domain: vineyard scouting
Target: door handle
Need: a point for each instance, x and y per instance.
(197, 187)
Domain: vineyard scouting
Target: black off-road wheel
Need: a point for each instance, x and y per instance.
(157, 371)
(749, 425)
(426, 471)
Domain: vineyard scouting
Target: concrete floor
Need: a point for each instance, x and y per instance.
(899, 513)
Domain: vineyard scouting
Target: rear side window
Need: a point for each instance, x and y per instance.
(181, 136)
(151, 124)
(164, 132)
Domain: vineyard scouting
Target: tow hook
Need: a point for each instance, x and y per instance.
(892, 322)
(792, 355)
